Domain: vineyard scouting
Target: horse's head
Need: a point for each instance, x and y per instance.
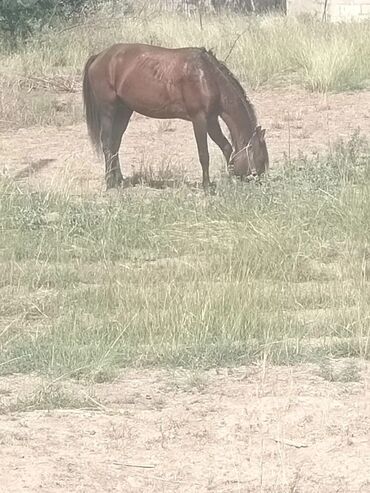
(253, 159)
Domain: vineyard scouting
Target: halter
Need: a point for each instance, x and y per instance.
(230, 166)
(241, 150)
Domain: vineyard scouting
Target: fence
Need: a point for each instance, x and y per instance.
(335, 10)
(244, 6)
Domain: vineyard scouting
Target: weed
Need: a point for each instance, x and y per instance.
(339, 371)
(48, 397)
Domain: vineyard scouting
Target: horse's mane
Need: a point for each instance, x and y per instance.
(230, 77)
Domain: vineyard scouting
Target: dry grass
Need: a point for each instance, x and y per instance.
(262, 50)
(48, 396)
(28, 101)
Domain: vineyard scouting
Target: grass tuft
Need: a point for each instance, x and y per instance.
(49, 397)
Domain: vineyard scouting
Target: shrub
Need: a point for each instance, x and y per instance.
(19, 19)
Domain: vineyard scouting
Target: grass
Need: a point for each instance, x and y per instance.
(261, 50)
(48, 397)
(278, 272)
(346, 371)
(25, 104)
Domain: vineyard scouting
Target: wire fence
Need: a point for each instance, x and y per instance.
(241, 6)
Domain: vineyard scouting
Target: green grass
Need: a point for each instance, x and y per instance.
(261, 50)
(278, 271)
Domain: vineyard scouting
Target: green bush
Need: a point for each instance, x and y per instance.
(19, 19)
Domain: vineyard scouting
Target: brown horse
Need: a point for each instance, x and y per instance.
(185, 83)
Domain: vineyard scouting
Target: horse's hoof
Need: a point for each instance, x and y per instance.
(125, 182)
(111, 189)
(112, 185)
(212, 188)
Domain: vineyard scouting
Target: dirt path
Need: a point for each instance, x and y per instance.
(256, 429)
(61, 158)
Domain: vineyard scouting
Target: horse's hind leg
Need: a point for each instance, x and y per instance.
(215, 132)
(115, 119)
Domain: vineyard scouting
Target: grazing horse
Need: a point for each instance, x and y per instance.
(185, 83)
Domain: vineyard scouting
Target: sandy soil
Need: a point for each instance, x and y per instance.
(256, 429)
(61, 157)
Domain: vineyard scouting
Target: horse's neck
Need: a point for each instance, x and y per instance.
(239, 121)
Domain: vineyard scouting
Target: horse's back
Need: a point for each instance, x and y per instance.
(136, 50)
(155, 81)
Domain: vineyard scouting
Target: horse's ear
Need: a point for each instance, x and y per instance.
(262, 134)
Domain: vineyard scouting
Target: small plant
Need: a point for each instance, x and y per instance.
(339, 371)
(165, 126)
(48, 397)
(196, 380)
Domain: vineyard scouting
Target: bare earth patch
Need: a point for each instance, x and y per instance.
(61, 157)
(253, 429)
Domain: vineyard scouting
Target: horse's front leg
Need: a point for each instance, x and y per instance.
(200, 132)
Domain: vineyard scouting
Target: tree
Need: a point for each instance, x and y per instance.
(19, 19)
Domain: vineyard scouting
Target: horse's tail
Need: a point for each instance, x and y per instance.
(92, 113)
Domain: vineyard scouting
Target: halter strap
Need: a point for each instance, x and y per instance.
(230, 166)
(241, 150)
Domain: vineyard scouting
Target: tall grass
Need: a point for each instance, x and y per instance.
(278, 271)
(260, 49)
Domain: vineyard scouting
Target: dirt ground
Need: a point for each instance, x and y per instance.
(61, 157)
(255, 429)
